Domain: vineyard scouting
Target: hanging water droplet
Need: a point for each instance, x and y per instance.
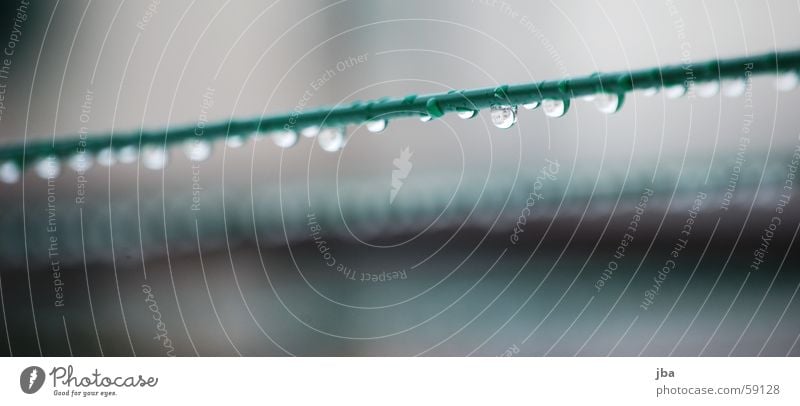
(285, 139)
(47, 168)
(310, 132)
(733, 87)
(10, 172)
(531, 106)
(376, 126)
(504, 116)
(609, 103)
(425, 118)
(154, 158)
(555, 108)
(787, 81)
(675, 91)
(197, 150)
(650, 91)
(106, 157)
(707, 89)
(128, 154)
(331, 139)
(234, 141)
(80, 162)
(467, 114)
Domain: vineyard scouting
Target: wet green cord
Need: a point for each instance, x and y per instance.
(433, 105)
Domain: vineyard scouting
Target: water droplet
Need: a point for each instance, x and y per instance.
(376, 126)
(555, 108)
(425, 118)
(707, 89)
(310, 132)
(128, 154)
(47, 168)
(285, 139)
(650, 91)
(787, 81)
(467, 114)
(80, 162)
(10, 172)
(154, 158)
(234, 141)
(532, 105)
(733, 87)
(609, 103)
(504, 116)
(106, 157)
(675, 91)
(197, 150)
(331, 139)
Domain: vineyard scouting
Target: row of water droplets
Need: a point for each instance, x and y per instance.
(333, 139)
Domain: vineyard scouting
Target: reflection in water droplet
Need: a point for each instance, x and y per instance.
(80, 162)
(531, 106)
(331, 139)
(707, 89)
(674, 91)
(234, 141)
(48, 168)
(10, 172)
(284, 139)
(787, 81)
(588, 97)
(733, 87)
(154, 158)
(376, 126)
(310, 132)
(650, 91)
(425, 118)
(555, 108)
(609, 103)
(504, 116)
(105, 157)
(467, 114)
(197, 150)
(128, 154)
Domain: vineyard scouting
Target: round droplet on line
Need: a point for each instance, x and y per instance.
(376, 126)
(504, 116)
(10, 172)
(733, 87)
(555, 107)
(197, 150)
(787, 81)
(285, 139)
(467, 114)
(234, 141)
(331, 139)
(675, 91)
(80, 162)
(105, 157)
(128, 154)
(310, 132)
(47, 168)
(532, 105)
(707, 89)
(609, 103)
(154, 158)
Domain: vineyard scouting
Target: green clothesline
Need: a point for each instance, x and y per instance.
(425, 106)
